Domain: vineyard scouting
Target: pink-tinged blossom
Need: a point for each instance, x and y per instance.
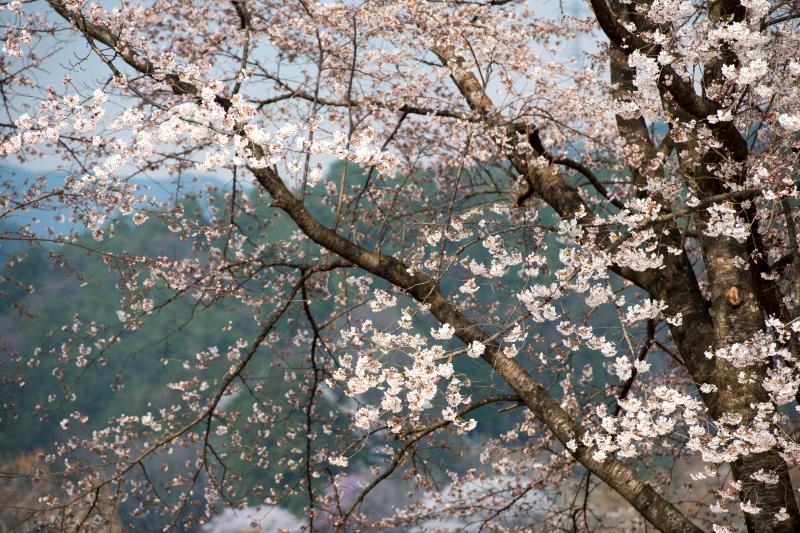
(614, 237)
(724, 221)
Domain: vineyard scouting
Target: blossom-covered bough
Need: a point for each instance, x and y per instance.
(607, 240)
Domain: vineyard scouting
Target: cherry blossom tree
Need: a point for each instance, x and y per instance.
(584, 224)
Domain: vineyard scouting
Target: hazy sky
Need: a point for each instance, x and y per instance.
(72, 57)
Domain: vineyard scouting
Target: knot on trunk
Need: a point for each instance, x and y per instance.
(733, 296)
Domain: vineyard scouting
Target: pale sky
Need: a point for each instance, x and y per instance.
(73, 57)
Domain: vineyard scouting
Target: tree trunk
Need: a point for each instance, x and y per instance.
(737, 317)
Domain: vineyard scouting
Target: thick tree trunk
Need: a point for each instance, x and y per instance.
(770, 498)
(733, 321)
(737, 317)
